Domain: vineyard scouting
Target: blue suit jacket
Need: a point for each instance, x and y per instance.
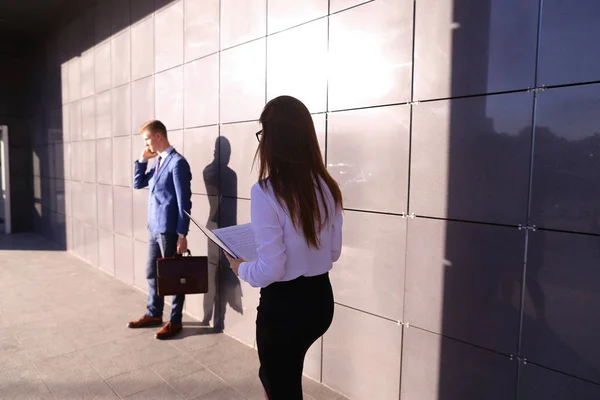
(169, 194)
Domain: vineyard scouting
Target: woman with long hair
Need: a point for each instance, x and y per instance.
(296, 212)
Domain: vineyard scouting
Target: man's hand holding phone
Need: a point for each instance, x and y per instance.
(147, 154)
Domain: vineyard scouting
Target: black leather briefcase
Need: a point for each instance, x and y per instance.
(182, 275)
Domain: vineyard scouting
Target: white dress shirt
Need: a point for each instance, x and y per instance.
(283, 253)
(163, 154)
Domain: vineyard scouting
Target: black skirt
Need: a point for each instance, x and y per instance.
(291, 317)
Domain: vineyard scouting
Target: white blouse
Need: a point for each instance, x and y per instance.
(283, 253)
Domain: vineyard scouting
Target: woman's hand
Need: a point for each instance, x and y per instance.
(234, 263)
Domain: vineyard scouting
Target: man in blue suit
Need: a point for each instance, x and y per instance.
(169, 195)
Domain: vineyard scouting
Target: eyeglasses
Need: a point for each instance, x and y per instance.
(258, 135)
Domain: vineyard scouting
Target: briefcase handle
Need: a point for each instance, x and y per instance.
(189, 254)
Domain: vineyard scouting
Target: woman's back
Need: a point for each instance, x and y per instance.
(283, 251)
(297, 221)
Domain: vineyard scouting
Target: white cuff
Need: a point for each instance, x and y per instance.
(241, 270)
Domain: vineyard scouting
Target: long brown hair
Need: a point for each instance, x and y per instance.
(291, 160)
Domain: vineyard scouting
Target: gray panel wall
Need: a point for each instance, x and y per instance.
(465, 136)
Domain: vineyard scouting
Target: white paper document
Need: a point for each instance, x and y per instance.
(240, 239)
(237, 241)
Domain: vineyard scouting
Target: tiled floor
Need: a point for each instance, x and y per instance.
(63, 336)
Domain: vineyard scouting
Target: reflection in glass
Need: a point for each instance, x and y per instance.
(566, 182)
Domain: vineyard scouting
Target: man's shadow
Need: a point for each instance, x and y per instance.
(225, 289)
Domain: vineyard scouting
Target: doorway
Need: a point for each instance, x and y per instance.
(5, 220)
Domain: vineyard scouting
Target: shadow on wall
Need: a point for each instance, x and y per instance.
(517, 299)
(483, 276)
(220, 178)
(63, 137)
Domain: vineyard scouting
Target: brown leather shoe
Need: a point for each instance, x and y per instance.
(145, 321)
(169, 330)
